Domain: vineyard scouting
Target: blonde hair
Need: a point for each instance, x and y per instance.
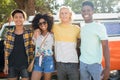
(70, 10)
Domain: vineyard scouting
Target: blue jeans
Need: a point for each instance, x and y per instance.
(90, 71)
(67, 71)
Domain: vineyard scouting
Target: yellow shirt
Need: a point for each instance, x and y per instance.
(65, 42)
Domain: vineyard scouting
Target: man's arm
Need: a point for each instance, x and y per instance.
(78, 47)
(106, 55)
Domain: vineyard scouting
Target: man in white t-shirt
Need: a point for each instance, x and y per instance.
(94, 43)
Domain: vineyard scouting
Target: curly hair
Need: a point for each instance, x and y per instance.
(46, 17)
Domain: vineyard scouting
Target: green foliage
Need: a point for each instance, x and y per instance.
(105, 6)
(6, 7)
(41, 6)
(46, 6)
(101, 6)
(74, 4)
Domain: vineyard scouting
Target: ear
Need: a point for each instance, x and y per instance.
(92, 12)
(59, 15)
(70, 16)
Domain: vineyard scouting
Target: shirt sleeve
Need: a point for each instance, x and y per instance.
(53, 27)
(102, 33)
(78, 31)
(6, 48)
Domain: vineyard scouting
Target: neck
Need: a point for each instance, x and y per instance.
(19, 27)
(89, 21)
(65, 23)
(44, 33)
(19, 30)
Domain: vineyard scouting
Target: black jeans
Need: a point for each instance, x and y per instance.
(67, 71)
(17, 72)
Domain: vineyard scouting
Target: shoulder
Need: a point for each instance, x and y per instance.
(51, 34)
(29, 30)
(99, 28)
(56, 24)
(98, 24)
(9, 35)
(10, 31)
(76, 27)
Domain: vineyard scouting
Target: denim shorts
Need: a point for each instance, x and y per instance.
(46, 66)
(16, 72)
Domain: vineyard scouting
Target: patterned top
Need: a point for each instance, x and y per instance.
(46, 48)
(9, 43)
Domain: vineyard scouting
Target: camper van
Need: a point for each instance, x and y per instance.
(111, 22)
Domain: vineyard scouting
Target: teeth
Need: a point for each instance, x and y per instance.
(86, 15)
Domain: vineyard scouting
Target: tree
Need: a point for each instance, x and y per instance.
(105, 6)
(27, 5)
(6, 7)
(74, 4)
(32, 6)
(46, 6)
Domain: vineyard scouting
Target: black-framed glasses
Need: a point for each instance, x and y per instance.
(40, 23)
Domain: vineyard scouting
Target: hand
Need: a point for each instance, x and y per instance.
(5, 69)
(36, 33)
(105, 74)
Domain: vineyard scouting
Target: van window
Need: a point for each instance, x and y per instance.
(113, 28)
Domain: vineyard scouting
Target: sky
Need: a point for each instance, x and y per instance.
(60, 1)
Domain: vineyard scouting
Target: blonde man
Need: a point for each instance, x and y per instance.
(66, 35)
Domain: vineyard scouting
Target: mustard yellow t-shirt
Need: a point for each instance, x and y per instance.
(65, 42)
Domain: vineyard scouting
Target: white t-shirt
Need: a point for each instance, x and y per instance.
(91, 47)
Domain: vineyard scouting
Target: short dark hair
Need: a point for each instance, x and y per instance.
(18, 11)
(48, 18)
(88, 3)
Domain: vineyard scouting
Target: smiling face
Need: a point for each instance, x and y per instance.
(18, 19)
(43, 24)
(65, 15)
(87, 13)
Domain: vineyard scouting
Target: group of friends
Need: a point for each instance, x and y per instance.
(22, 44)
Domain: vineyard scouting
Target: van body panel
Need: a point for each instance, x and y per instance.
(114, 46)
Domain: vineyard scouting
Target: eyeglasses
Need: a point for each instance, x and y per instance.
(40, 23)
